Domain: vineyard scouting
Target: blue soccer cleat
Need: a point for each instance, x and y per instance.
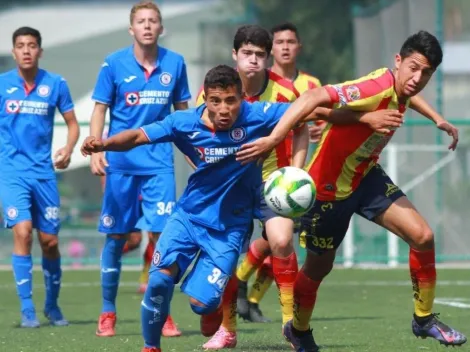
(55, 316)
(300, 342)
(436, 329)
(28, 319)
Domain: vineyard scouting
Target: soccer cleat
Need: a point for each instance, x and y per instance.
(29, 319)
(243, 306)
(436, 329)
(142, 288)
(170, 329)
(151, 349)
(256, 315)
(106, 325)
(221, 339)
(301, 341)
(55, 316)
(210, 323)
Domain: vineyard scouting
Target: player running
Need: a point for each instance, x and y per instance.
(216, 209)
(349, 181)
(285, 49)
(251, 48)
(139, 84)
(29, 97)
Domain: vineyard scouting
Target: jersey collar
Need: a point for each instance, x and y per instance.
(157, 62)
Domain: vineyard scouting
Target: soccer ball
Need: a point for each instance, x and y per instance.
(289, 192)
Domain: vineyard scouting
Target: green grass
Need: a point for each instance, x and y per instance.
(354, 312)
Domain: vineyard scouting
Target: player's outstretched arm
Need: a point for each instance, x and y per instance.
(420, 105)
(123, 141)
(296, 113)
(380, 121)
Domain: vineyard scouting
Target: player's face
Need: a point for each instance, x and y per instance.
(250, 59)
(223, 106)
(146, 27)
(26, 52)
(412, 73)
(286, 47)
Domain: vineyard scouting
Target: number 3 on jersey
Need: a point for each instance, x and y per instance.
(165, 208)
(215, 278)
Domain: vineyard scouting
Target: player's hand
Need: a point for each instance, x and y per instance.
(315, 132)
(62, 158)
(383, 121)
(91, 145)
(98, 164)
(257, 150)
(451, 131)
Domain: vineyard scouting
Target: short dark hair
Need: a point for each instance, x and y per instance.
(425, 44)
(253, 34)
(286, 26)
(223, 77)
(27, 31)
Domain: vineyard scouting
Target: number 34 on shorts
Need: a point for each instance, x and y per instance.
(165, 208)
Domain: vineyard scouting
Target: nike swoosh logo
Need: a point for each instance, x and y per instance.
(11, 90)
(193, 135)
(109, 270)
(129, 79)
(22, 282)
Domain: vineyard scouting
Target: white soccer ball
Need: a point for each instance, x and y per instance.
(290, 192)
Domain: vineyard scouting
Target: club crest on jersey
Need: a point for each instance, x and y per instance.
(156, 258)
(132, 98)
(43, 91)
(107, 221)
(353, 93)
(165, 78)
(237, 134)
(12, 106)
(12, 213)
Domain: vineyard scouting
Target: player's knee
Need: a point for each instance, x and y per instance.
(50, 245)
(424, 238)
(158, 280)
(134, 240)
(281, 245)
(203, 309)
(23, 237)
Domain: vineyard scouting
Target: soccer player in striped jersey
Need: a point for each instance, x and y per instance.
(286, 48)
(349, 180)
(251, 48)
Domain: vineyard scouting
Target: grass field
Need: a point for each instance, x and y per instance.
(357, 310)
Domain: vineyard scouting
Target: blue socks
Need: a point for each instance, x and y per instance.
(110, 272)
(52, 277)
(23, 272)
(155, 307)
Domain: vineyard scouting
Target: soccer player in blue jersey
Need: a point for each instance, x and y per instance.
(214, 214)
(139, 84)
(29, 97)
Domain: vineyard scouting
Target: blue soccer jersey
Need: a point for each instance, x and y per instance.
(27, 122)
(221, 192)
(137, 98)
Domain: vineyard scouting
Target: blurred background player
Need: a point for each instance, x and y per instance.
(286, 48)
(349, 181)
(251, 49)
(28, 188)
(139, 84)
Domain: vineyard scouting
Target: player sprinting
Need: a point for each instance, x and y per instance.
(349, 180)
(139, 84)
(286, 47)
(216, 209)
(251, 48)
(29, 97)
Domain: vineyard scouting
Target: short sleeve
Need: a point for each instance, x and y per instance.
(104, 88)
(160, 131)
(181, 91)
(65, 102)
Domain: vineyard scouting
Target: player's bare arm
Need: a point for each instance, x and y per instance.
(420, 105)
(98, 161)
(63, 155)
(181, 105)
(300, 146)
(122, 141)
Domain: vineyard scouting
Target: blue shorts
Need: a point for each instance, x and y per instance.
(217, 255)
(29, 199)
(324, 226)
(123, 211)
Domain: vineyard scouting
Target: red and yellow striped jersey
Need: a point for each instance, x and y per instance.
(277, 89)
(346, 153)
(304, 82)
